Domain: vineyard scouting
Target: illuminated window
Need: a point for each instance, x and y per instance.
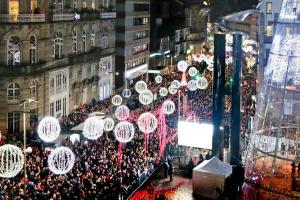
(269, 31)
(13, 91)
(13, 7)
(13, 51)
(84, 4)
(33, 5)
(32, 49)
(93, 4)
(269, 7)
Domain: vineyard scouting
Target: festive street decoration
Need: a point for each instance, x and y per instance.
(163, 91)
(122, 112)
(202, 83)
(126, 93)
(116, 100)
(168, 107)
(140, 86)
(93, 128)
(172, 90)
(49, 129)
(146, 97)
(193, 71)
(109, 124)
(124, 131)
(192, 85)
(182, 66)
(11, 161)
(175, 84)
(61, 160)
(158, 79)
(147, 122)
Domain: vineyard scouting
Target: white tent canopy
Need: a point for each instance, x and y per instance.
(98, 115)
(210, 175)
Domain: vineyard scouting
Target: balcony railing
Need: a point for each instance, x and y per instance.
(63, 17)
(108, 15)
(22, 18)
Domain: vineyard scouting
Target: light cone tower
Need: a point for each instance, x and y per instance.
(275, 141)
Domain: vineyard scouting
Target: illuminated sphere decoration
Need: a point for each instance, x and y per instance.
(146, 97)
(61, 160)
(49, 129)
(109, 124)
(124, 131)
(176, 84)
(126, 93)
(140, 86)
(93, 128)
(202, 83)
(163, 91)
(182, 66)
(192, 85)
(11, 161)
(168, 107)
(193, 71)
(172, 90)
(116, 100)
(147, 122)
(122, 112)
(210, 66)
(158, 79)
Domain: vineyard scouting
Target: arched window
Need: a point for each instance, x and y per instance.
(13, 91)
(33, 89)
(104, 42)
(74, 38)
(74, 4)
(32, 49)
(58, 45)
(83, 40)
(13, 51)
(93, 37)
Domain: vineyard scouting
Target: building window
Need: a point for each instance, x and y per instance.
(93, 39)
(93, 70)
(93, 4)
(58, 105)
(59, 6)
(58, 84)
(58, 45)
(141, 7)
(105, 3)
(33, 6)
(135, 63)
(141, 21)
(52, 109)
(74, 39)
(74, 4)
(32, 49)
(140, 48)
(33, 117)
(13, 91)
(84, 5)
(13, 122)
(33, 89)
(269, 8)
(83, 40)
(104, 42)
(141, 35)
(177, 36)
(13, 7)
(74, 75)
(13, 51)
(269, 31)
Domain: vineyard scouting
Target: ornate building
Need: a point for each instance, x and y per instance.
(59, 53)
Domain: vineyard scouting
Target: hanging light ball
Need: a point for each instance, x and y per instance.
(109, 124)
(126, 93)
(192, 85)
(202, 83)
(172, 90)
(122, 112)
(11, 161)
(93, 128)
(146, 97)
(168, 107)
(163, 91)
(140, 86)
(61, 160)
(182, 66)
(176, 84)
(210, 67)
(193, 71)
(124, 131)
(49, 129)
(116, 100)
(158, 79)
(147, 122)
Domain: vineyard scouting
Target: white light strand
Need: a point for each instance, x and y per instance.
(147, 122)
(122, 112)
(11, 161)
(109, 124)
(146, 97)
(117, 100)
(124, 131)
(49, 129)
(93, 128)
(61, 160)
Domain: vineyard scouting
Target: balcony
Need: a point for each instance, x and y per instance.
(22, 18)
(63, 17)
(108, 15)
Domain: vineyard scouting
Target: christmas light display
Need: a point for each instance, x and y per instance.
(124, 131)
(122, 112)
(192, 85)
(109, 124)
(193, 71)
(147, 122)
(158, 79)
(163, 92)
(168, 107)
(49, 129)
(93, 128)
(126, 93)
(176, 84)
(202, 83)
(61, 160)
(172, 90)
(182, 66)
(140, 86)
(116, 100)
(11, 160)
(146, 97)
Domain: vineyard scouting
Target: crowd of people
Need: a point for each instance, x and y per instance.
(96, 173)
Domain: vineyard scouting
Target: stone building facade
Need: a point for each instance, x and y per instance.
(60, 53)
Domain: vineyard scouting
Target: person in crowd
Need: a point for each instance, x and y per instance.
(166, 168)
(293, 169)
(171, 170)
